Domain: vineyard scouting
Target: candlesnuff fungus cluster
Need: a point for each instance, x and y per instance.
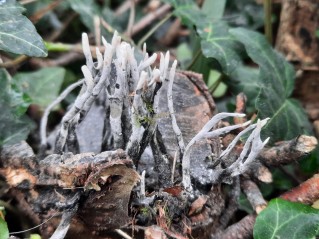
(132, 101)
(130, 94)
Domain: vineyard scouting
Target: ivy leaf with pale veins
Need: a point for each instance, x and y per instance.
(216, 42)
(14, 125)
(276, 80)
(42, 86)
(219, 44)
(17, 33)
(284, 219)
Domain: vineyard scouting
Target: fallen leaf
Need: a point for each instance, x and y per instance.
(197, 205)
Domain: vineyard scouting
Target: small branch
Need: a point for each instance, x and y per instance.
(40, 13)
(239, 230)
(131, 19)
(307, 192)
(59, 61)
(268, 23)
(97, 30)
(124, 7)
(14, 62)
(253, 195)
(149, 18)
(288, 151)
(56, 34)
(241, 100)
(150, 32)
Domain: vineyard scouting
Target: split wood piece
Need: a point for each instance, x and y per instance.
(259, 171)
(288, 151)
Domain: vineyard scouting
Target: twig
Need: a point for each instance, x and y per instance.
(131, 19)
(55, 34)
(288, 151)
(14, 62)
(268, 18)
(149, 18)
(124, 7)
(59, 61)
(97, 30)
(253, 195)
(240, 107)
(239, 230)
(172, 33)
(307, 192)
(150, 32)
(40, 13)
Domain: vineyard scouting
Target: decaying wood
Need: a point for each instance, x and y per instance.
(104, 182)
(288, 151)
(131, 119)
(296, 38)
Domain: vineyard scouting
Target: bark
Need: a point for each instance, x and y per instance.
(296, 38)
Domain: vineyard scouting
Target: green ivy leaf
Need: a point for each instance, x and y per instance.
(14, 125)
(187, 10)
(216, 42)
(42, 86)
(276, 81)
(219, 44)
(17, 33)
(283, 219)
(4, 231)
(245, 79)
(87, 9)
